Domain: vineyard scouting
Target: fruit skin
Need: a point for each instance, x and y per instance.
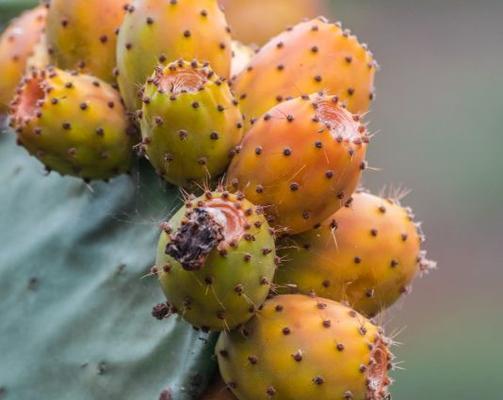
(159, 31)
(190, 122)
(241, 56)
(366, 254)
(303, 160)
(17, 44)
(81, 35)
(218, 391)
(216, 261)
(331, 351)
(40, 57)
(313, 56)
(256, 21)
(75, 124)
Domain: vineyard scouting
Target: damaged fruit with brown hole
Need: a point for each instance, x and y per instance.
(216, 260)
(304, 348)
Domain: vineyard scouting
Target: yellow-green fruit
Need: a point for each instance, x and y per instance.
(190, 123)
(216, 261)
(17, 44)
(75, 124)
(82, 35)
(302, 160)
(366, 254)
(161, 31)
(311, 57)
(218, 391)
(256, 21)
(241, 56)
(305, 348)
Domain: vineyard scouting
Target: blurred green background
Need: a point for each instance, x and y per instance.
(437, 116)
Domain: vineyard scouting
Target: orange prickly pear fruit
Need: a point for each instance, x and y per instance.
(191, 123)
(216, 260)
(161, 31)
(74, 124)
(302, 160)
(311, 57)
(256, 21)
(306, 348)
(17, 45)
(366, 254)
(82, 35)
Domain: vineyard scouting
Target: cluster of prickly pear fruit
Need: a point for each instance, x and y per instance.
(287, 140)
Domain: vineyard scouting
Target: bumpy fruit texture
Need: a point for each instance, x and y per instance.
(190, 122)
(256, 21)
(218, 391)
(313, 56)
(75, 124)
(216, 261)
(16, 46)
(366, 254)
(160, 31)
(82, 35)
(305, 348)
(303, 160)
(241, 56)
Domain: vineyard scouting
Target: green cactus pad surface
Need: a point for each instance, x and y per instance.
(75, 296)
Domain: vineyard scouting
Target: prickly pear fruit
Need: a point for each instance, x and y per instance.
(160, 31)
(303, 160)
(17, 44)
(82, 35)
(329, 350)
(241, 56)
(218, 391)
(40, 58)
(216, 260)
(311, 57)
(75, 124)
(190, 122)
(256, 21)
(365, 254)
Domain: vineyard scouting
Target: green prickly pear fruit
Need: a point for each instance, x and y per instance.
(190, 122)
(160, 31)
(302, 160)
(218, 391)
(366, 254)
(241, 57)
(330, 350)
(216, 260)
(311, 57)
(82, 35)
(74, 124)
(17, 45)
